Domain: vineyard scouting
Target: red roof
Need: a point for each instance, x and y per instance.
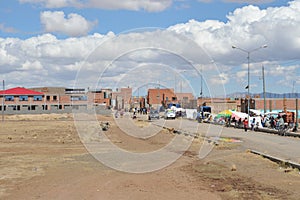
(20, 91)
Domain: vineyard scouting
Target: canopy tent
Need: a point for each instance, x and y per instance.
(238, 115)
(224, 113)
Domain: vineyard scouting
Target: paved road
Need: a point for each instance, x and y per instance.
(286, 148)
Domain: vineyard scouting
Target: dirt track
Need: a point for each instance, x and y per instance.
(42, 157)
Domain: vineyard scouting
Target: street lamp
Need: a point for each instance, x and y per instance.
(248, 58)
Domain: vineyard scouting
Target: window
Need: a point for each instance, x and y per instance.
(14, 107)
(54, 98)
(9, 98)
(37, 98)
(23, 98)
(78, 98)
(48, 98)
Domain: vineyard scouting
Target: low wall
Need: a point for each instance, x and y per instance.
(96, 110)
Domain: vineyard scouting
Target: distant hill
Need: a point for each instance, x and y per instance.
(261, 95)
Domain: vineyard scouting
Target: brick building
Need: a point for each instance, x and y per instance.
(122, 98)
(17, 99)
(52, 99)
(220, 104)
(186, 100)
(157, 97)
(274, 104)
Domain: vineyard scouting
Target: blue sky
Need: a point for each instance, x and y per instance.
(53, 43)
(24, 18)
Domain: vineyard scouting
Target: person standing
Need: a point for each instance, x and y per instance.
(240, 123)
(245, 122)
(252, 124)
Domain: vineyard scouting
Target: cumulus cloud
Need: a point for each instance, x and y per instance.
(35, 65)
(239, 1)
(72, 25)
(180, 47)
(53, 3)
(6, 58)
(249, 27)
(148, 5)
(250, 1)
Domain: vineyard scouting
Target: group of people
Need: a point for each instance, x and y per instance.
(242, 123)
(268, 122)
(143, 111)
(273, 122)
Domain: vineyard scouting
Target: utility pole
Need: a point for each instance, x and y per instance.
(201, 91)
(248, 62)
(296, 121)
(264, 88)
(3, 101)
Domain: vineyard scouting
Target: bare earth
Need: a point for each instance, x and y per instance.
(42, 157)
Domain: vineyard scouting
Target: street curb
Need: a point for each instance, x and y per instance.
(272, 131)
(276, 159)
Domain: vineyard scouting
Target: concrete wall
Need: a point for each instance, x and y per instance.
(39, 110)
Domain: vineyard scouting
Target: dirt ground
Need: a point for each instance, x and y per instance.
(42, 157)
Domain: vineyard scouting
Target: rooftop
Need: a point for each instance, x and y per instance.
(20, 91)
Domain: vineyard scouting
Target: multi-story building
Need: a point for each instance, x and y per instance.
(161, 96)
(17, 99)
(53, 99)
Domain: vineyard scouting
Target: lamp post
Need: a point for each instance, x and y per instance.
(264, 89)
(248, 59)
(201, 91)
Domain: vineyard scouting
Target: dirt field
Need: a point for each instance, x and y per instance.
(42, 157)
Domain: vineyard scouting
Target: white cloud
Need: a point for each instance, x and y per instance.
(250, 1)
(53, 3)
(249, 27)
(59, 60)
(72, 25)
(35, 65)
(239, 1)
(219, 79)
(148, 5)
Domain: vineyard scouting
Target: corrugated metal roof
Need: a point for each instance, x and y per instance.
(20, 91)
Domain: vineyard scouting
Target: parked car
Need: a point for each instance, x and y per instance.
(170, 114)
(153, 114)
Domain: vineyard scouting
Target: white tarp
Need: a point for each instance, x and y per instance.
(191, 113)
(238, 115)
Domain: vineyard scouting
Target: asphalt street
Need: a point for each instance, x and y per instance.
(283, 147)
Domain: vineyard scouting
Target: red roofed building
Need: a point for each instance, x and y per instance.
(52, 99)
(20, 99)
(20, 91)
